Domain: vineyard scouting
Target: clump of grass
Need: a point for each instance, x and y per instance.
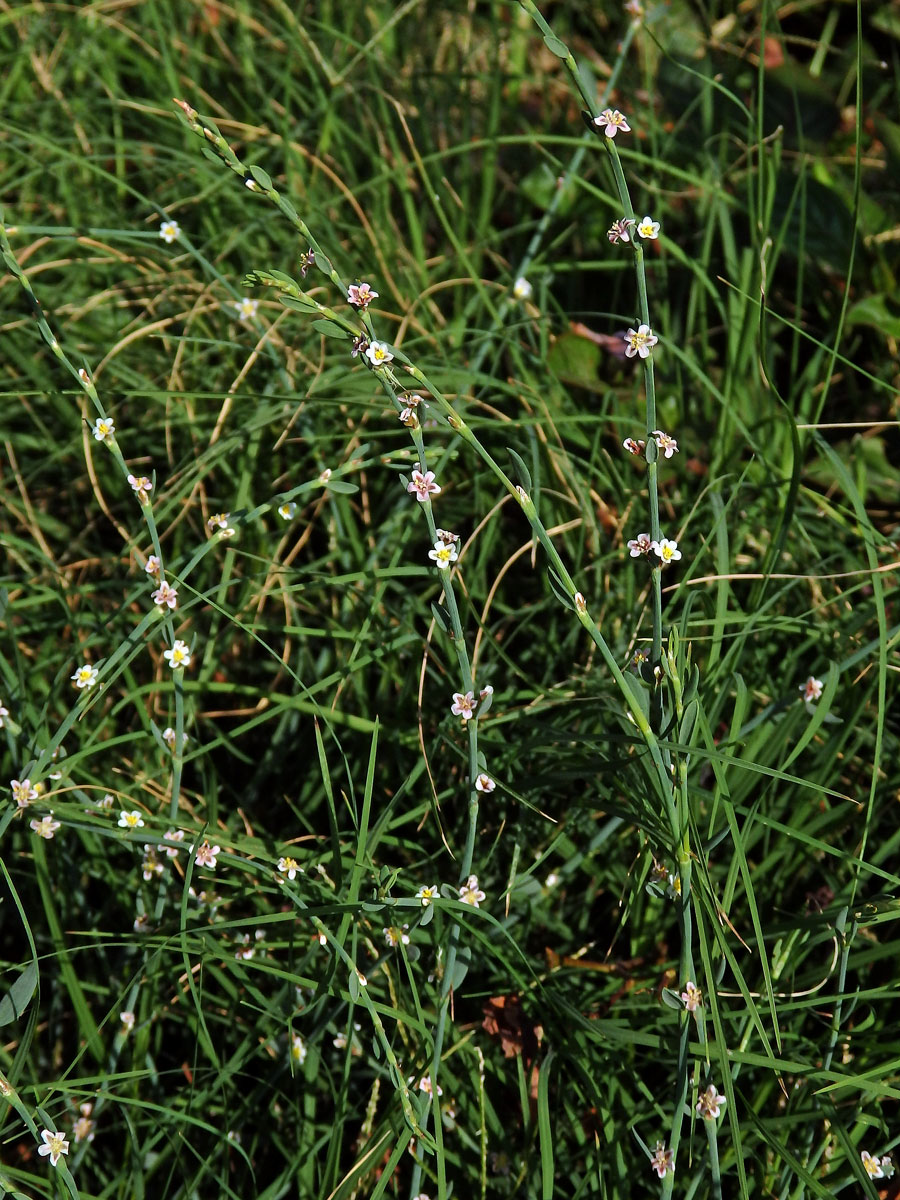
(386, 816)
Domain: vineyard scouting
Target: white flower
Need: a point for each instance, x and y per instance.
(45, 827)
(289, 866)
(220, 521)
(396, 935)
(127, 1019)
(522, 289)
(666, 443)
(103, 428)
(23, 792)
(246, 308)
(178, 656)
(378, 354)
(471, 893)
(427, 894)
(169, 231)
(55, 1144)
(131, 820)
(298, 1049)
(151, 566)
(464, 705)
(484, 783)
(85, 677)
(443, 554)
(648, 228)
(666, 550)
(287, 511)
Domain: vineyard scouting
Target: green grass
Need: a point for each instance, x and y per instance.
(698, 822)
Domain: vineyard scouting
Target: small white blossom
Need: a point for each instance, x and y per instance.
(55, 1144)
(178, 656)
(103, 429)
(169, 231)
(522, 289)
(246, 307)
(131, 820)
(85, 677)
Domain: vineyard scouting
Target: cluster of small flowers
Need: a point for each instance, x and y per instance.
(621, 229)
(664, 441)
(667, 551)
(877, 1168)
(219, 523)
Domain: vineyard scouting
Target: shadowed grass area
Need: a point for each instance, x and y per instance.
(397, 885)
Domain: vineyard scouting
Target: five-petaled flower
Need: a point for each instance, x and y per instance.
(55, 1144)
(219, 521)
(484, 783)
(614, 122)
(639, 545)
(470, 892)
(666, 550)
(179, 655)
(427, 894)
(812, 689)
(639, 341)
(710, 1103)
(522, 289)
(85, 677)
(361, 295)
(662, 1161)
(165, 595)
(246, 307)
(103, 428)
(378, 354)
(131, 820)
(620, 230)
(288, 511)
(422, 485)
(443, 554)
(169, 231)
(23, 792)
(45, 827)
(648, 228)
(666, 443)
(141, 486)
(464, 705)
(206, 855)
(151, 566)
(691, 997)
(634, 445)
(288, 866)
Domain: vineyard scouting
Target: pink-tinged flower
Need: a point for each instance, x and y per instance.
(648, 228)
(85, 677)
(619, 230)
(580, 602)
(464, 705)
(427, 894)
(396, 935)
(22, 791)
(486, 691)
(484, 783)
(359, 345)
(691, 997)
(141, 486)
(178, 656)
(307, 260)
(710, 1103)
(871, 1165)
(206, 855)
(151, 865)
(812, 689)
(103, 428)
(289, 866)
(636, 11)
(613, 121)
(666, 443)
(131, 820)
(640, 545)
(169, 231)
(151, 566)
(667, 551)
(360, 295)
(55, 1144)
(443, 554)
(127, 1019)
(470, 892)
(218, 522)
(83, 1129)
(639, 341)
(447, 537)
(165, 595)
(423, 485)
(634, 445)
(426, 1086)
(45, 827)
(378, 354)
(662, 1161)
(174, 838)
